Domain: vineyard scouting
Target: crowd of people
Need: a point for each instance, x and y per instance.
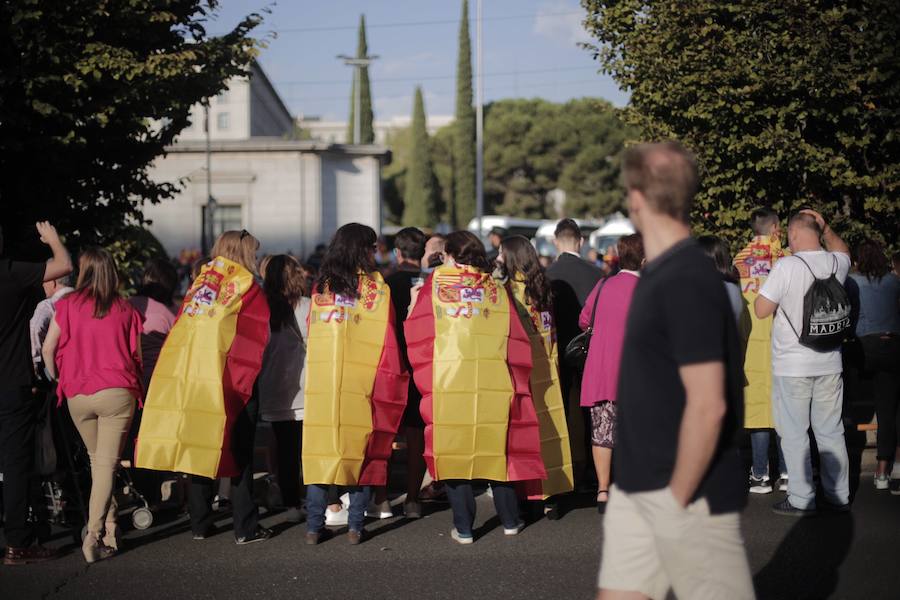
(497, 372)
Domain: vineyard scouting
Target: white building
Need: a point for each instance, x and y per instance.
(290, 194)
(336, 131)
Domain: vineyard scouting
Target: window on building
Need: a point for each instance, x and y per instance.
(222, 98)
(222, 121)
(226, 217)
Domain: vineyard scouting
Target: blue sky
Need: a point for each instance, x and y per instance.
(530, 50)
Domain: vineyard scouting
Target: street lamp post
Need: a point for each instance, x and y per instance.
(208, 227)
(479, 120)
(358, 64)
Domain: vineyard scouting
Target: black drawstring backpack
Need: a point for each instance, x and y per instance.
(826, 313)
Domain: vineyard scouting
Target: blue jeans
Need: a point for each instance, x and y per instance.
(801, 403)
(462, 503)
(317, 501)
(759, 445)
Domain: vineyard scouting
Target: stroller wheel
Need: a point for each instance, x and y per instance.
(142, 518)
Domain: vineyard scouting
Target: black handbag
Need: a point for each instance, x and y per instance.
(576, 351)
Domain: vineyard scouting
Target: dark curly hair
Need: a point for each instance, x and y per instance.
(520, 258)
(871, 260)
(352, 249)
(467, 249)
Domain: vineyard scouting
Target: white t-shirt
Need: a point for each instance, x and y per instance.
(786, 285)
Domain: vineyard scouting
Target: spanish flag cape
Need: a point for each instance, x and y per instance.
(471, 360)
(754, 263)
(547, 396)
(356, 386)
(205, 374)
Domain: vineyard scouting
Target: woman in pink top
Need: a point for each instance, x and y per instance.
(601, 372)
(94, 345)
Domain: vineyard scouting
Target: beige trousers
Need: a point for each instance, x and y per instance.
(103, 420)
(652, 544)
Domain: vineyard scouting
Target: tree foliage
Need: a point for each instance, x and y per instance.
(420, 197)
(91, 92)
(531, 147)
(463, 208)
(535, 146)
(785, 102)
(366, 116)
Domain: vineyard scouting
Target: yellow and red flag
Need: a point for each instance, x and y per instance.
(546, 393)
(205, 374)
(356, 386)
(471, 360)
(754, 263)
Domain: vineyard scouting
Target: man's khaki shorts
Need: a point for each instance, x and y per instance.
(652, 544)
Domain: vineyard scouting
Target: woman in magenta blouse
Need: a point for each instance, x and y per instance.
(601, 371)
(94, 345)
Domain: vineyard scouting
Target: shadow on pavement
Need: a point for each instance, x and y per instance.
(806, 564)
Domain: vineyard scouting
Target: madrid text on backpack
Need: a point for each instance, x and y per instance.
(826, 312)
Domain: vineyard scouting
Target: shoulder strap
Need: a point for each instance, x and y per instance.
(596, 301)
(784, 314)
(807, 266)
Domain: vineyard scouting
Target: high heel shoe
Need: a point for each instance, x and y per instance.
(601, 504)
(111, 536)
(91, 548)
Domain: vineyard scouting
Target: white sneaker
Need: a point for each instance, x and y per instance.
(461, 539)
(336, 518)
(515, 530)
(783, 483)
(380, 511)
(760, 485)
(882, 482)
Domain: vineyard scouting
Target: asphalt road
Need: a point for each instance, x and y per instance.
(850, 556)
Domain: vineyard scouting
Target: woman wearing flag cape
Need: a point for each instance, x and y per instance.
(530, 292)
(200, 414)
(471, 360)
(356, 383)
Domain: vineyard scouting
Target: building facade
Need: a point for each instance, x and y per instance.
(336, 131)
(290, 194)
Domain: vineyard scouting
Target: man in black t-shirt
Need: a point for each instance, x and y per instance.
(409, 244)
(673, 519)
(20, 289)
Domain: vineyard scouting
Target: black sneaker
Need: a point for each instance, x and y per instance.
(831, 507)
(894, 486)
(789, 510)
(260, 535)
(202, 535)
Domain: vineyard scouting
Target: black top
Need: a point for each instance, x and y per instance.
(679, 315)
(571, 281)
(20, 291)
(400, 283)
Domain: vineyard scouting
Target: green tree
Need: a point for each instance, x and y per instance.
(463, 208)
(91, 92)
(420, 198)
(785, 102)
(533, 147)
(366, 117)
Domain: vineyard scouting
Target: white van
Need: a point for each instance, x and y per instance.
(512, 225)
(616, 226)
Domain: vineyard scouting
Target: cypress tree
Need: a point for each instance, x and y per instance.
(464, 143)
(366, 132)
(420, 197)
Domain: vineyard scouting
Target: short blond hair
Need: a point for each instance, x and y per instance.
(665, 173)
(237, 246)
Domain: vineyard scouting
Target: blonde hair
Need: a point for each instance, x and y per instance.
(237, 246)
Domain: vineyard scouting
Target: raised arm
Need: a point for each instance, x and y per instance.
(831, 240)
(61, 263)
